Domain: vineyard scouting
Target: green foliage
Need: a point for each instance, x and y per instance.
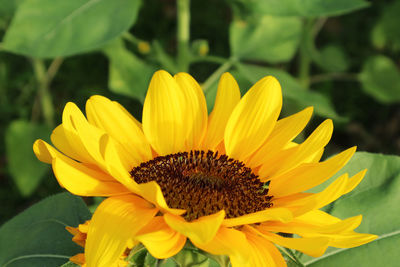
(292, 90)
(271, 39)
(113, 47)
(55, 28)
(305, 8)
(332, 58)
(376, 199)
(380, 78)
(24, 167)
(128, 74)
(8, 7)
(37, 236)
(386, 32)
(69, 264)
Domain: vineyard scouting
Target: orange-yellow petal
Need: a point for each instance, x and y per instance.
(253, 118)
(115, 222)
(78, 259)
(165, 115)
(196, 117)
(228, 95)
(160, 240)
(201, 230)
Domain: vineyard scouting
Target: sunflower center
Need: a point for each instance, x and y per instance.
(204, 183)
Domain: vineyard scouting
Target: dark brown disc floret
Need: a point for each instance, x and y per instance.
(204, 183)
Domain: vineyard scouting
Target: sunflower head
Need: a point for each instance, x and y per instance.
(230, 182)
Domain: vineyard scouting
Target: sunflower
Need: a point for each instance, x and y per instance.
(230, 182)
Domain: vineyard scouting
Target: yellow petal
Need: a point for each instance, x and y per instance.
(312, 224)
(44, 152)
(60, 141)
(165, 115)
(117, 162)
(160, 240)
(314, 143)
(263, 252)
(228, 95)
(133, 119)
(350, 240)
(339, 187)
(76, 177)
(313, 246)
(151, 192)
(307, 176)
(84, 181)
(354, 181)
(196, 117)
(284, 131)
(329, 194)
(201, 230)
(318, 217)
(77, 129)
(253, 118)
(114, 223)
(270, 214)
(106, 115)
(229, 242)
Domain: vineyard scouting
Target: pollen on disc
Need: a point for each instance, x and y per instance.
(204, 183)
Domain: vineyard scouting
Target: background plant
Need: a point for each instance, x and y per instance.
(340, 56)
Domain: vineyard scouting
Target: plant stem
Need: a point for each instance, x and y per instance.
(164, 59)
(131, 38)
(304, 57)
(183, 33)
(210, 58)
(53, 69)
(340, 76)
(217, 73)
(44, 78)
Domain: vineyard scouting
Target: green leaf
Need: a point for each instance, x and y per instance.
(376, 198)
(292, 90)
(8, 7)
(26, 170)
(69, 264)
(54, 28)
(381, 79)
(386, 32)
(37, 236)
(332, 58)
(272, 39)
(307, 8)
(128, 75)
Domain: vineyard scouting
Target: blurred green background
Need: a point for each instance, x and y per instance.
(341, 56)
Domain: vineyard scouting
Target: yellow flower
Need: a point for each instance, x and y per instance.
(229, 182)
